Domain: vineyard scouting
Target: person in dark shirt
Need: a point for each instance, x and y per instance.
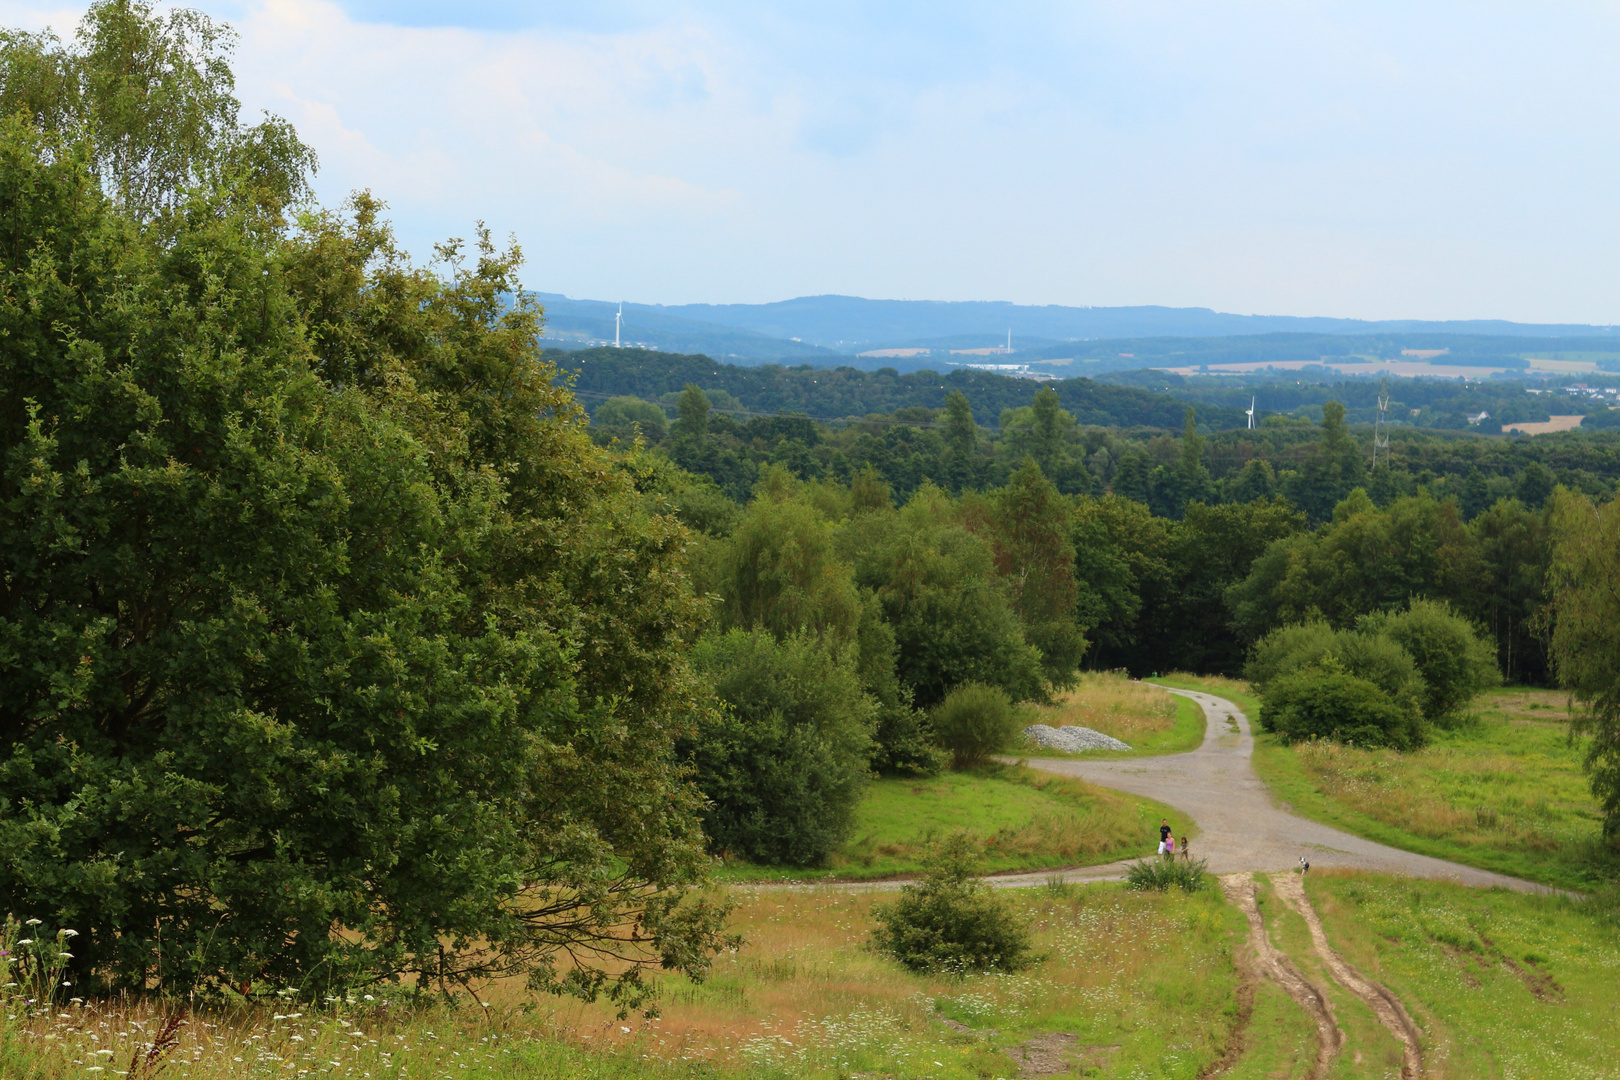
(1164, 835)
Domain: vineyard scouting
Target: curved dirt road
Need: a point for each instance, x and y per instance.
(1241, 828)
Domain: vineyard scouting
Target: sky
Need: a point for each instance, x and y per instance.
(1360, 159)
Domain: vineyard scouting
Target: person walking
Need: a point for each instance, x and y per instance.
(1165, 843)
(1185, 857)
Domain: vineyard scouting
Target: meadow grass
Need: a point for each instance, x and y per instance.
(1504, 792)
(1502, 984)
(1026, 820)
(1132, 711)
(1138, 984)
(1142, 982)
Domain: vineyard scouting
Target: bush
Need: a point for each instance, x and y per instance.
(784, 761)
(952, 921)
(1378, 659)
(1456, 663)
(1326, 702)
(1287, 649)
(975, 721)
(1158, 875)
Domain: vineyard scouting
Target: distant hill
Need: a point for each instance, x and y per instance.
(826, 330)
(852, 324)
(583, 324)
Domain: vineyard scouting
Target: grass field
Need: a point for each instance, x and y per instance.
(1139, 985)
(1134, 712)
(1502, 984)
(1026, 819)
(1129, 985)
(1505, 792)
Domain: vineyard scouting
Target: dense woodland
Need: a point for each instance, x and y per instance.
(1187, 549)
(338, 644)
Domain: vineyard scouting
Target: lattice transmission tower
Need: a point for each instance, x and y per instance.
(1381, 425)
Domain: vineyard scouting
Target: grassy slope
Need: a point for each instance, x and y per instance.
(1502, 984)
(1506, 793)
(1029, 821)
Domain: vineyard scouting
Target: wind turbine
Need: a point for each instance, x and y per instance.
(1250, 412)
(618, 321)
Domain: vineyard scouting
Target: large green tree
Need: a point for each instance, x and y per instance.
(330, 647)
(1029, 524)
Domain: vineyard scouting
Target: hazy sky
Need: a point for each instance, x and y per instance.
(1422, 160)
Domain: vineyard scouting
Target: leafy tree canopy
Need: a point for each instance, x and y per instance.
(152, 98)
(330, 647)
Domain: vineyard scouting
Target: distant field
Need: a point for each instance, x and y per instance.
(1026, 821)
(1569, 366)
(1544, 427)
(1403, 368)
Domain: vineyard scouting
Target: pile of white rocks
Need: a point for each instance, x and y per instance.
(1071, 739)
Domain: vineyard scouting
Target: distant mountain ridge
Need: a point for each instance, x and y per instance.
(819, 328)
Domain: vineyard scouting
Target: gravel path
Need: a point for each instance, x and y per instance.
(1242, 829)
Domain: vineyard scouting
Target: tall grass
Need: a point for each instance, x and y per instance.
(1115, 704)
(804, 998)
(1505, 791)
(1161, 875)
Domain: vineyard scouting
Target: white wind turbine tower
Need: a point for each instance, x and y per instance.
(618, 321)
(1250, 412)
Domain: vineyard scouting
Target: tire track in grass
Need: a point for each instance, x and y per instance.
(1277, 967)
(1384, 1004)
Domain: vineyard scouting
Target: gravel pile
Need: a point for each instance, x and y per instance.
(1071, 739)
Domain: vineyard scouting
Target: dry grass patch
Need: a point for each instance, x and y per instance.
(1135, 978)
(1115, 704)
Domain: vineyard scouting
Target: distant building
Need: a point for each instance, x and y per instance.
(1474, 418)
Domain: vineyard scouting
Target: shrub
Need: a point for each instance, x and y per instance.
(975, 721)
(1158, 875)
(1456, 663)
(952, 921)
(1367, 655)
(1287, 649)
(1326, 702)
(784, 761)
